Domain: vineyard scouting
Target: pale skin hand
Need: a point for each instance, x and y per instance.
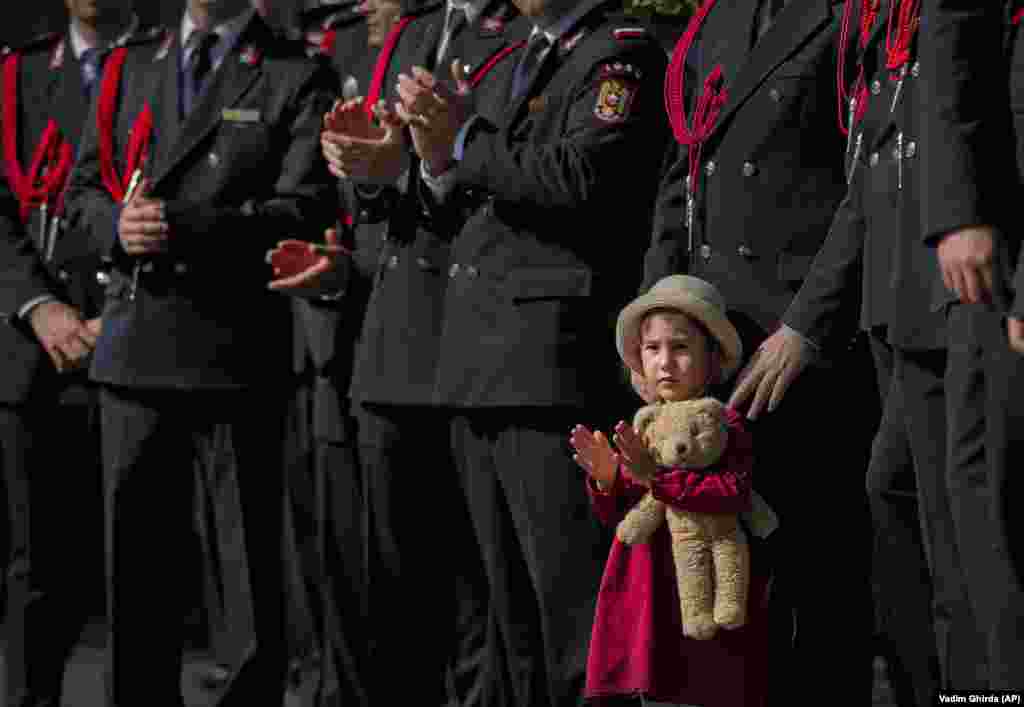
(354, 147)
(321, 278)
(63, 335)
(143, 228)
(594, 455)
(634, 453)
(775, 365)
(434, 113)
(1015, 334)
(967, 261)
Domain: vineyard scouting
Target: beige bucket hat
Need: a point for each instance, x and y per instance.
(690, 295)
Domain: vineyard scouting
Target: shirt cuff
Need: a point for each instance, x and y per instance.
(460, 139)
(441, 185)
(26, 309)
(815, 346)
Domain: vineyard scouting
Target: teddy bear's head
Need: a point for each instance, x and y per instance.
(689, 433)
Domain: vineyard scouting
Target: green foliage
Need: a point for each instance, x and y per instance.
(673, 8)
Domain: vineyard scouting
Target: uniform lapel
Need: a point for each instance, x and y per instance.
(165, 99)
(799, 20)
(228, 85)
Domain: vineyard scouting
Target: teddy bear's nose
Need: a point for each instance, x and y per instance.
(682, 449)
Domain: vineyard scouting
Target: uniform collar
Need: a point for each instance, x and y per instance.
(561, 25)
(472, 8)
(227, 33)
(80, 45)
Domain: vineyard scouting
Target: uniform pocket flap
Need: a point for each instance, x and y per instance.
(793, 267)
(544, 283)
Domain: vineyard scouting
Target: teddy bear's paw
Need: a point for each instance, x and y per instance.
(701, 627)
(730, 616)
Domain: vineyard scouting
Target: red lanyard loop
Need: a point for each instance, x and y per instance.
(381, 69)
(859, 92)
(693, 133)
(51, 161)
(138, 140)
(897, 48)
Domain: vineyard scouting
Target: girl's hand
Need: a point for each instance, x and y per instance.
(635, 456)
(594, 455)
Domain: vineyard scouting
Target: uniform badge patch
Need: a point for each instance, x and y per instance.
(165, 47)
(492, 25)
(250, 55)
(614, 100)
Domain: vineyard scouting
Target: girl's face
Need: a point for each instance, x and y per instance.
(675, 354)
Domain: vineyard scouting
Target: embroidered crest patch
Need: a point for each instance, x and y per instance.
(250, 55)
(614, 100)
(492, 25)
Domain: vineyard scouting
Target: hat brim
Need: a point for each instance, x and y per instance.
(627, 329)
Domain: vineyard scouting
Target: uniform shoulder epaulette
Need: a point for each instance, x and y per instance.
(42, 42)
(413, 8)
(144, 35)
(331, 15)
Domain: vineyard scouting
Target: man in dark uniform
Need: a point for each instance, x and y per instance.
(213, 156)
(971, 189)
(399, 425)
(874, 255)
(552, 247)
(49, 434)
(746, 206)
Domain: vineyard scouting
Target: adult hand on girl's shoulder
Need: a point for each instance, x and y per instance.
(635, 455)
(594, 455)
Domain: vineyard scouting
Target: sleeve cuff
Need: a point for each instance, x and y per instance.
(815, 346)
(26, 309)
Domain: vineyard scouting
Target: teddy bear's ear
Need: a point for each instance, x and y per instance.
(644, 417)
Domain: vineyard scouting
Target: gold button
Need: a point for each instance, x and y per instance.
(873, 160)
(454, 270)
(709, 168)
(911, 148)
(749, 169)
(876, 87)
(392, 262)
(775, 95)
(745, 251)
(102, 278)
(705, 251)
(213, 159)
(180, 268)
(915, 70)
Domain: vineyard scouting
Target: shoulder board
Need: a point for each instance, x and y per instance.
(42, 42)
(413, 8)
(145, 35)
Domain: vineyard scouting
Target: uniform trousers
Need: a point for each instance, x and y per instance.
(342, 532)
(543, 550)
(811, 455)
(985, 394)
(909, 508)
(428, 605)
(54, 576)
(151, 438)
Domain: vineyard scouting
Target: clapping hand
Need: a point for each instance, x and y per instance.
(594, 455)
(434, 113)
(355, 147)
(326, 273)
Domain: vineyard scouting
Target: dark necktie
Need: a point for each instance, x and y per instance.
(92, 66)
(529, 65)
(198, 67)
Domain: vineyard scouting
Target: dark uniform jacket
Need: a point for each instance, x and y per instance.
(966, 129)
(326, 330)
(563, 181)
(240, 173)
(397, 358)
(874, 251)
(771, 173)
(50, 87)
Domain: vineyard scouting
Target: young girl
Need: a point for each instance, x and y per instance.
(677, 343)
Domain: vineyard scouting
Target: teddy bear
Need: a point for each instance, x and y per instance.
(710, 551)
